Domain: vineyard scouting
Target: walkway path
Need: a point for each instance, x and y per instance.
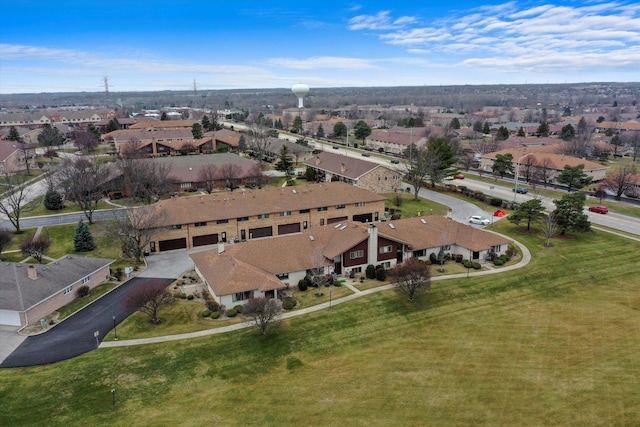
(526, 258)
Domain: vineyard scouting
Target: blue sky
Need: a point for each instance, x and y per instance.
(55, 46)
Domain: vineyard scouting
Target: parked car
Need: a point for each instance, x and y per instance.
(365, 154)
(336, 147)
(477, 219)
(520, 190)
(395, 161)
(599, 209)
(458, 176)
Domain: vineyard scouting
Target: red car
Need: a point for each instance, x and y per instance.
(459, 176)
(599, 209)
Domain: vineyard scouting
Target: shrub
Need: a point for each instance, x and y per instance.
(289, 303)
(458, 257)
(83, 291)
(433, 258)
(381, 274)
(190, 297)
(476, 265)
(238, 308)
(232, 313)
(212, 304)
(466, 263)
(498, 261)
(370, 272)
(303, 285)
(511, 251)
(183, 295)
(215, 314)
(206, 313)
(495, 201)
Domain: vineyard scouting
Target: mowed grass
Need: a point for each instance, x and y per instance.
(554, 343)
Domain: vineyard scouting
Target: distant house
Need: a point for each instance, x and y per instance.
(225, 138)
(12, 155)
(530, 158)
(361, 173)
(298, 152)
(155, 142)
(31, 292)
(262, 268)
(396, 140)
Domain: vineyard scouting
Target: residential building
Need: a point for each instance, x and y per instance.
(12, 155)
(262, 268)
(242, 215)
(370, 176)
(32, 291)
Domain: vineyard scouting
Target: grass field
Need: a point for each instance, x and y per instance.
(555, 343)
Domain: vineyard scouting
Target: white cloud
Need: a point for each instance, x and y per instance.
(379, 21)
(322, 62)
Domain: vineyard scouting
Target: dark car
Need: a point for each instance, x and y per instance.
(336, 147)
(366, 154)
(520, 190)
(599, 209)
(395, 162)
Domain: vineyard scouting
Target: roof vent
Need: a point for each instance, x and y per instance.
(311, 237)
(392, 226)
(343, 227)
(337, 225)
(294, 191)
(422, 220)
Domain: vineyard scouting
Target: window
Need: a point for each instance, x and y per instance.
(243, 218)
(223, 236)
(421, 252)
(67, 290)
(175, 227)
(322, 209)
(303, 211)
(322, 222)
(185, 185)
(263, 216)
(340, 207)
(285, 213)
(359, 204)
(282, 276)
(356, 254)
(201, 224)
(495, 249)
(357, 269)
(240, 296)
(222, 221)
(86, 279)
(385, 249)
(445, 247)
(305, 225)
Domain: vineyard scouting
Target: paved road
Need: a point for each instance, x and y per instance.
(75, 336)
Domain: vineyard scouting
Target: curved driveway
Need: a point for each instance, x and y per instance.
(75, 335)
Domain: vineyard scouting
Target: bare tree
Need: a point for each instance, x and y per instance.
(543, 171)
(631, 139)
(259, 141)
(146, 179)
(5, 238)
(35, 247)
(411, 278)
(14, 201)
(263, 311)
(84, 182)
(207, 175)
(137, 229)
(549, 229)
(622, 180)
(318, 273)
(86, 139)
(150, 299)
(230, 172)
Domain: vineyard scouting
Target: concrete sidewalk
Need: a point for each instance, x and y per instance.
(526, 258)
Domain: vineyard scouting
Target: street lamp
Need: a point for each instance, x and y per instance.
(115, 331)
(515, 188)
(113, 398)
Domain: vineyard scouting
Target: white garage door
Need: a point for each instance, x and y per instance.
(11, 318)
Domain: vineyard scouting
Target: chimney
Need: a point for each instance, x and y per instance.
(343, 168)
(317, 160)
(31, 272)
(372, 245)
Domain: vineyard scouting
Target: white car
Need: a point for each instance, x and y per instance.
(477, 219)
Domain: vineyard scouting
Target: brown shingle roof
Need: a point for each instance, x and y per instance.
(339, 164)
(241, 203)
(558, 161)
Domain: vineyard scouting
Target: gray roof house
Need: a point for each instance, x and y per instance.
(29, 292)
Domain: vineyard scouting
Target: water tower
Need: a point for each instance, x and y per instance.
(300, 90)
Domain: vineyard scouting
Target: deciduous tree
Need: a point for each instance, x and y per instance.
(14, 200)
(362, 130)
(263, 311)
(150, 298)
(5, 238)
(207, 176)
(137, 229)
(84, 181)
(411, 278)
(35, 247)
(622, 180)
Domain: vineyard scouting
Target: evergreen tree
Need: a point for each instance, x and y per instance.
(164, 116)
(14, 135)
(320, 131)
(297, 125)
(53, 200)
(455, 123)
(543, 129)
(50, 136)
(206, 124)
(113, 125)
(486, 129)
(83, 240)
(284, 163)
(196, 131)
(521, 132)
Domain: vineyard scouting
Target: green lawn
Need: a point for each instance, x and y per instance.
(408, 207)
(555, 343)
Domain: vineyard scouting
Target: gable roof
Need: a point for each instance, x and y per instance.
(339, 164)
(19, 292)
(557, 161)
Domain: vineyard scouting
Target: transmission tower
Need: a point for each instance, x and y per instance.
(195, 89)
(106, 86)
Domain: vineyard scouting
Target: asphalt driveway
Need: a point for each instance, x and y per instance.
(75, 336)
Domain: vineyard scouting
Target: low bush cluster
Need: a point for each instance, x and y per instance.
(289, 302)
(206, 313)
(215, 314)
(83, 291)
(232, 312)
